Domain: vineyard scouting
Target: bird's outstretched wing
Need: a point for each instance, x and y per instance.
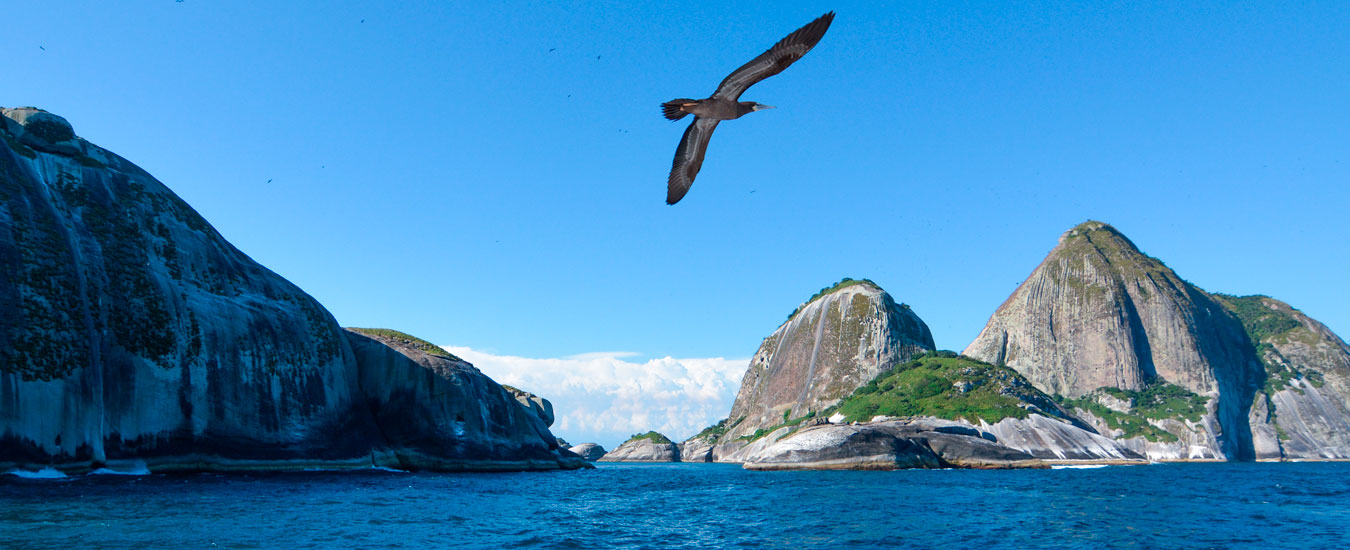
(689, 158)
(784, 53)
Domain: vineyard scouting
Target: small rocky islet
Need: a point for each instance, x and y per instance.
(134, 337)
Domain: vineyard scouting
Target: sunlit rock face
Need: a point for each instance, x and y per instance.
(648, 447)
(132, 332)
(831, 345)
(1098, 313)
(589, 451)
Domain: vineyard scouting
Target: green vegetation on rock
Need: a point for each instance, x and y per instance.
(1265, 327)
(844, 283)
(1132, 425)
(1163, 400)
(716, 431)
(654, 437)
(787, 422)
(1158, 401)
(1111, 252)
(49, 130)
(944, 385)
(407, 340)
(1262, 323)
(19, 148)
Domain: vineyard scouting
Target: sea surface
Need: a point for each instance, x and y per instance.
(1191, 506)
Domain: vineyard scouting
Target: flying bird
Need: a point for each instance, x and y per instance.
(725, 103)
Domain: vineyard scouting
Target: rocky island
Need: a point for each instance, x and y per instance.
(1171, 371)
(1103, 355)
(644, 447)
(133, 336)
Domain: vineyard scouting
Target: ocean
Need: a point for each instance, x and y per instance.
(1192, 506)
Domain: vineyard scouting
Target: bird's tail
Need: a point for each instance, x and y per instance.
(671, 109)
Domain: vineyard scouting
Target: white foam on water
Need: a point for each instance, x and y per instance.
(138, 468)
(1077, 466)
(45, 473)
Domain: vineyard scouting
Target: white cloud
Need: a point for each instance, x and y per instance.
(601, 397)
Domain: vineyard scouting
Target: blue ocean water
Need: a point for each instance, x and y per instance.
(1190, 506)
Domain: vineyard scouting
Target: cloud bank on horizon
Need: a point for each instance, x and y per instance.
(603, 397)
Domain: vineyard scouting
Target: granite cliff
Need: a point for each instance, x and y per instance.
(838, 340)
(851, 356)
(1168, 369)
(1303, 409)
(133, 335)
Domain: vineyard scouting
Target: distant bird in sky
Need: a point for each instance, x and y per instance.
(725, 103)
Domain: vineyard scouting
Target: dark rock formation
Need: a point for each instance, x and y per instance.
(132, 333)
(537, 406)
(436, 411)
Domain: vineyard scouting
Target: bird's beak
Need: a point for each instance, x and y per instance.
(759, 107)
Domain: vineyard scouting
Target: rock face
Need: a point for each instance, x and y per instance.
(132, 332)
(947, 393)
(1097, 313)
(648, 447)
(589, 451)
(435, 411)
(536, 405)
(1303, 410)
(887, 446)
(1055, 439)
(834, 343)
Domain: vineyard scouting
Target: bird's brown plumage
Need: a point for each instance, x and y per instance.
(725, 103)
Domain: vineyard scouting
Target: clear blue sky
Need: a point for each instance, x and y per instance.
(437, 169)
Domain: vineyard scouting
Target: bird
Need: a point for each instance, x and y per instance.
(725, 103)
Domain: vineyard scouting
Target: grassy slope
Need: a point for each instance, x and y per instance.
(407, 340)
(932, 384)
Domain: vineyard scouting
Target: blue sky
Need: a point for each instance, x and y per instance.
(437, 169)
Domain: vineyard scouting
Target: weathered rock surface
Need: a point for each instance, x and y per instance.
(887, 445)
(1055, 439)
(589, 451)
(132, 332)
(436, 411)
(1303, 411)
(834, 343)
(696, 450)
(645, 448)
(1098, 313)
(536, 405)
